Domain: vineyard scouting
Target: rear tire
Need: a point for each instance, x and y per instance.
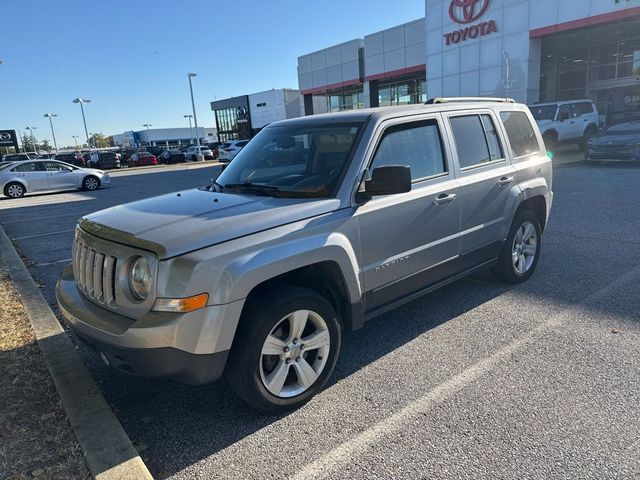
(521, 251)
(14, 190)
(90, 183)
(270, 367)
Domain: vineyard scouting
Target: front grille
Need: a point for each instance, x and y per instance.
(95, 273)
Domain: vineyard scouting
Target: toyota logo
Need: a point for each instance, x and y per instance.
(5, 136)
(241, 112)
(464, 11)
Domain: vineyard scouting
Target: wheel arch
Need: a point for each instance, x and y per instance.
(538, 205)
(15, 180)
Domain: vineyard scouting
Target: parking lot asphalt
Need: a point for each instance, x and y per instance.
(476, 380)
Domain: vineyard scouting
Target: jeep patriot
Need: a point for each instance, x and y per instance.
(319, 224)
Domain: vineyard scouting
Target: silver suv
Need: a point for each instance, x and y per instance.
(319, 224)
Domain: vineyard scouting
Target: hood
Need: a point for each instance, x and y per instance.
(606, 140)
(181, 222)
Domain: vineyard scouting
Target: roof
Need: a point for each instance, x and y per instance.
(364, 114)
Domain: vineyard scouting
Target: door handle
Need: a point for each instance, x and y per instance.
(444, 198)
(505, 180)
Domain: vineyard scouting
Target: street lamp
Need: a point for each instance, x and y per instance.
(82, 101)
(75, 139)
(193, 106)
(53, 134)
(190, 129)
(147, 125)
(33, 139)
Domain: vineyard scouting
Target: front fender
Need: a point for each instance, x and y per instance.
(229, 271)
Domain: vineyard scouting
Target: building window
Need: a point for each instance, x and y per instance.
(403, 91)
(345, 100)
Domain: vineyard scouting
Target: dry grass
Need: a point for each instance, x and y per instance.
(36, 440)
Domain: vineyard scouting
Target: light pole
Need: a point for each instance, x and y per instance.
(82, 101)
(190, 129)
(193, 106)
(53, 134)
(33, 139)
(75, 139)
(147, 125)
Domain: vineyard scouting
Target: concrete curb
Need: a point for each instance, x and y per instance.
(107, 449)
(208, 163)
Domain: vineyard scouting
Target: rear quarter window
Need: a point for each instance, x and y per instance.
(520, 133)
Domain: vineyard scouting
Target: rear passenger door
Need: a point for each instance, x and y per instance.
(33, 174)
(488, 186)
(410, 240)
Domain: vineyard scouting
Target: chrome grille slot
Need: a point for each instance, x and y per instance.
(95, 273)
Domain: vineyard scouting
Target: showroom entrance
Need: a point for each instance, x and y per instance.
(601, 63)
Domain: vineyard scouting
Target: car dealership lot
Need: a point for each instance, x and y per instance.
(477, 380)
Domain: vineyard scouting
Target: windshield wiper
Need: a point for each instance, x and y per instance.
(270, 190)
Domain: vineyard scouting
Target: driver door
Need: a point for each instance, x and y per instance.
(60, 175)
(410, 240)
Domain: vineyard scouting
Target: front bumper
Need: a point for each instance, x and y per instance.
(191, 347)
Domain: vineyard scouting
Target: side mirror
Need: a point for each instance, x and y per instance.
(389, 179)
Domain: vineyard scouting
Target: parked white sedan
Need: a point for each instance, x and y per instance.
(18, 178)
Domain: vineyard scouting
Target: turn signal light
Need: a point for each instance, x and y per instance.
(181, 305)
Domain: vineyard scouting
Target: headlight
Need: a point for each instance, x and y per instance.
(140, 278)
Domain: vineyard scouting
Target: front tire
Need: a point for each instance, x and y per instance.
(14, 190)
(286, 348)
(90, 183)
(521, 250)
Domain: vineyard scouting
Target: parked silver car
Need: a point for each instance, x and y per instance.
(322, 223)
(18, 178)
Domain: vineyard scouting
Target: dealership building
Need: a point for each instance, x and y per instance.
(240, 118)
(531, 50)
(164, 137)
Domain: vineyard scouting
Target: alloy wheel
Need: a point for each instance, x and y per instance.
(15, 191)
(294, 353)
(525, 247)
(91, 183)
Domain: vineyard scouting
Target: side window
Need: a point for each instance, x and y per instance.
(521, 133)
(54, 166)
(564, 112)
(495, 149)
(417, 145)
(476, 140)
(582, 109)
(26, 167)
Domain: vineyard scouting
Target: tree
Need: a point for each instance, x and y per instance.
(100, 141)
(45, 146)
(28, 143)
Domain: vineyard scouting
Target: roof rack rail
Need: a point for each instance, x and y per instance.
(435, 100)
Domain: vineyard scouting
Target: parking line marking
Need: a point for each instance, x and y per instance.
(43, 235)
(337, 458)
(46, 264)
(43, 218)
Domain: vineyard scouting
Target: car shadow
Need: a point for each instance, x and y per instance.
(207, 419)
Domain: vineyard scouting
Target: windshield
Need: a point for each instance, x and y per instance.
(4, 165)
(543, 112)
(630, 128)
(294, 160)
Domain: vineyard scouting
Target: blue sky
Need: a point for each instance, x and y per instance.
(131, 57)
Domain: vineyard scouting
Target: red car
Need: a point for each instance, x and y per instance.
(142, 158)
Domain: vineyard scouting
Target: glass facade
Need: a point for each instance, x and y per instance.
(581, 65)
(402, 90)
(345, 100)
(227, 123)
